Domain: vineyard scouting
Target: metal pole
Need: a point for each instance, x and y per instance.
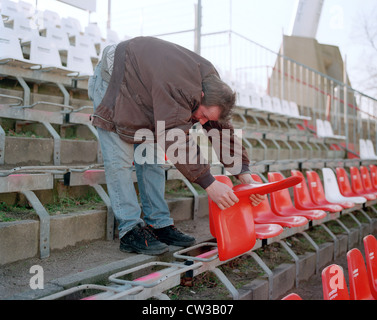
(230, 40)
(198, 27)
(345, 100)
(282, 67)
(108, 14)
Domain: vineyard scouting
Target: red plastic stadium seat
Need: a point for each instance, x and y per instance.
(263, 214)
(373, 175)
(267, 231)
(334, 284)
(366, 180)
(370, 246)
(354, 189)
(303, 199)
(357, 276)
(281, 203)
(226, 180)
(317, 191)
(292, 296)
(233, 228)
(345, 185)
(263, 230)
(358, 186)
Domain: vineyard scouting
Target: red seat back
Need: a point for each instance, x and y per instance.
(263, 207)
(356, 182)
(316, 189)
(366, 179)
(292, 296)
(226, 180)
(357, 276)
(301, 192)
(344, 183)
(281, 199)
(370, 246)
(233, 228)
(373, 175)
(358, 186)
(334, 284)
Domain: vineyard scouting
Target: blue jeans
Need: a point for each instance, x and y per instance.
(118, 157)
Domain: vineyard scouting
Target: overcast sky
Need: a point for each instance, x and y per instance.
(262, 21)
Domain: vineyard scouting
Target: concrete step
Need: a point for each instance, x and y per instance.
(20, 151)
(19, 240)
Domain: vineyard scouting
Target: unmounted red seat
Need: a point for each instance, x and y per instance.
(281, 202)
(367, 181)
(263, 214)
(264, 230)
(317, 191)
(304, 201)
(334, 284)
(370, 247)
(357, 276)
(211, 204)
(345, 187)
(233, 228)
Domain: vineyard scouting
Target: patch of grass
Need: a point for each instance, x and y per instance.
(273, 255)
(5, 218)
(26, 134)
(371, 212)
(299, 244)
(69, 204)
(205, 286)
(359, 216)
(16, 213)
(178, 188)
(348, 221)
(61, 206)
(319, 235)
(335, 227)
(242, 271)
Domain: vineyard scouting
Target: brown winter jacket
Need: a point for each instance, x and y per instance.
(155, 80)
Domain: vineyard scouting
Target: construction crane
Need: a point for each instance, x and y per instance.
(307, 17)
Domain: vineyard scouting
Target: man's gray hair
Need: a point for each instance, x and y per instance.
(218, 93)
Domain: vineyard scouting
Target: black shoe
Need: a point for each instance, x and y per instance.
(172, 236)
(142, 240)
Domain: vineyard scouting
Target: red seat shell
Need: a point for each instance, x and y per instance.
(281, 203)
(357, 276)
(370, 247)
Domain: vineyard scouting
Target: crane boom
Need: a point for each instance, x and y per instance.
(307, 17)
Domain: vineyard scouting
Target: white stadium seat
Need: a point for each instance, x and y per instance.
(10, 50)
(329, 131)
(47, 55)
(370, 148)
(78, 59)
(332, 191)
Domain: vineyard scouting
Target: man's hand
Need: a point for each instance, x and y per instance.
(255, 199)
(222, 195)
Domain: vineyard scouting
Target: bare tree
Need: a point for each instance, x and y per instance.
(365, 35)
